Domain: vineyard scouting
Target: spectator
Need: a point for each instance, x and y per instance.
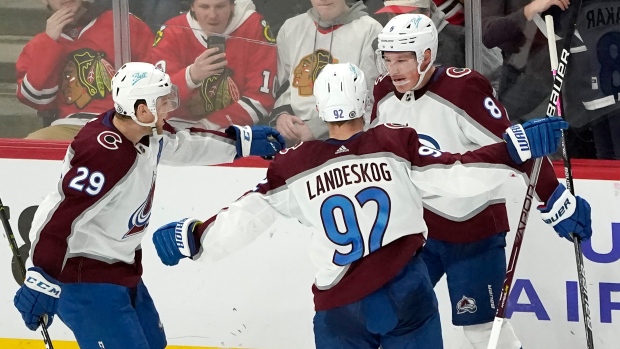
(330, 32)
(219, 88)
(451, 51)
(72, 79)
(451, 37)
(591, 100)
(525, 79)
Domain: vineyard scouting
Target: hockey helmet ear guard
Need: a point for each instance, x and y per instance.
(340, 92)
(143, 81)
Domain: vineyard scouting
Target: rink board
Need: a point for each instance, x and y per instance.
(260, 296)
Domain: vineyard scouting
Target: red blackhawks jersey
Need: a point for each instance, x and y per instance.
(456, 112)
(73, 75)
(90, 228)
(242, 94)
(364, 199)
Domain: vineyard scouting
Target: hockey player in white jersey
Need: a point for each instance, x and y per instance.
(363, 192)
(455, 110)
(85, 264)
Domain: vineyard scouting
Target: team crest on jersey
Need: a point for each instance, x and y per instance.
(466, 305)
(457, 72)
(159, 35)
(109, 140)
(308, 69)
(267, 31)
(216, 92)
(139, 220)
(86, 76)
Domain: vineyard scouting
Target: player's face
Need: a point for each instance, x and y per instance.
(56, 5)
(213, 15)
(329, 9)
(403, 69)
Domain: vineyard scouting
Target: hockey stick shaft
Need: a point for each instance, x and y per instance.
(514, 256)
(552, 107)
(568, 173)
(4, 217)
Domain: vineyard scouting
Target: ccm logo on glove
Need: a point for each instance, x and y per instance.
(37, 282)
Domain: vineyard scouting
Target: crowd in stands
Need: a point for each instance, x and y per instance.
(255, 61)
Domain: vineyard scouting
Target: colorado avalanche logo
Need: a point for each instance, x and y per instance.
(466, 304)
(139, 220)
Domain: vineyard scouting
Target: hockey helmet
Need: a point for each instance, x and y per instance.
(409, 33)
(341, 93)
(144, 81)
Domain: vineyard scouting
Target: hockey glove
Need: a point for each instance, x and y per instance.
(174, 241)
(37, 297)
(567, 214)
(535, 138)
(261, 141)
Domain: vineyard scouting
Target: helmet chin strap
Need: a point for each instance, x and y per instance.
(421, 74)
(152, 124)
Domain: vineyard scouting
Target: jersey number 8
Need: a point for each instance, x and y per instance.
(352, 234)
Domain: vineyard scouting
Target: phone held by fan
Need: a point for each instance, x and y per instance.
(219, 42)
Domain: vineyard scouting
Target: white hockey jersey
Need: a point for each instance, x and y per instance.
(363, 197)
(456, 112)
(90, 229)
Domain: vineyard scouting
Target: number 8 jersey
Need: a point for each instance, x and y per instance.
(363, 197)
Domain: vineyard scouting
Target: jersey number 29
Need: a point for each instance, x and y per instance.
(352, 235)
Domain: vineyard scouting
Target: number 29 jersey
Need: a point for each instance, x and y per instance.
(363, 197)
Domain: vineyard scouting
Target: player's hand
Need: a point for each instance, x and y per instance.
(205, 65)
(174, 241)
(286, 124)
(58, 20)
(256, 140)
(535, 138)
(37, 297)
(567, 214)
(540, 6)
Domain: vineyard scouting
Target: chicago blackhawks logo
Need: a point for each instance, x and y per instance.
(308, 69)
(216, 92)
(86, 76)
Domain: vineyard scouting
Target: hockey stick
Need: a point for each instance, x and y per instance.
(527, 203)
(4, 216)
(568, 173)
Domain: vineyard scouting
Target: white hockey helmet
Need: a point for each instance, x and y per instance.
(341, 93)
(409, 33)
(143, 81)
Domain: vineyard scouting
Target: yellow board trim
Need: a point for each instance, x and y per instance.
(12, 343)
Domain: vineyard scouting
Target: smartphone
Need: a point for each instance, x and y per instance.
(219, 42)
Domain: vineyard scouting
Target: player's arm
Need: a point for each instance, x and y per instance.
(231, 229)
(38, 79)
(382, 87)
(200, 147)
(257, 96)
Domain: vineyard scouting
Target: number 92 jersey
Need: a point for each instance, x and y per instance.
(362, 195)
